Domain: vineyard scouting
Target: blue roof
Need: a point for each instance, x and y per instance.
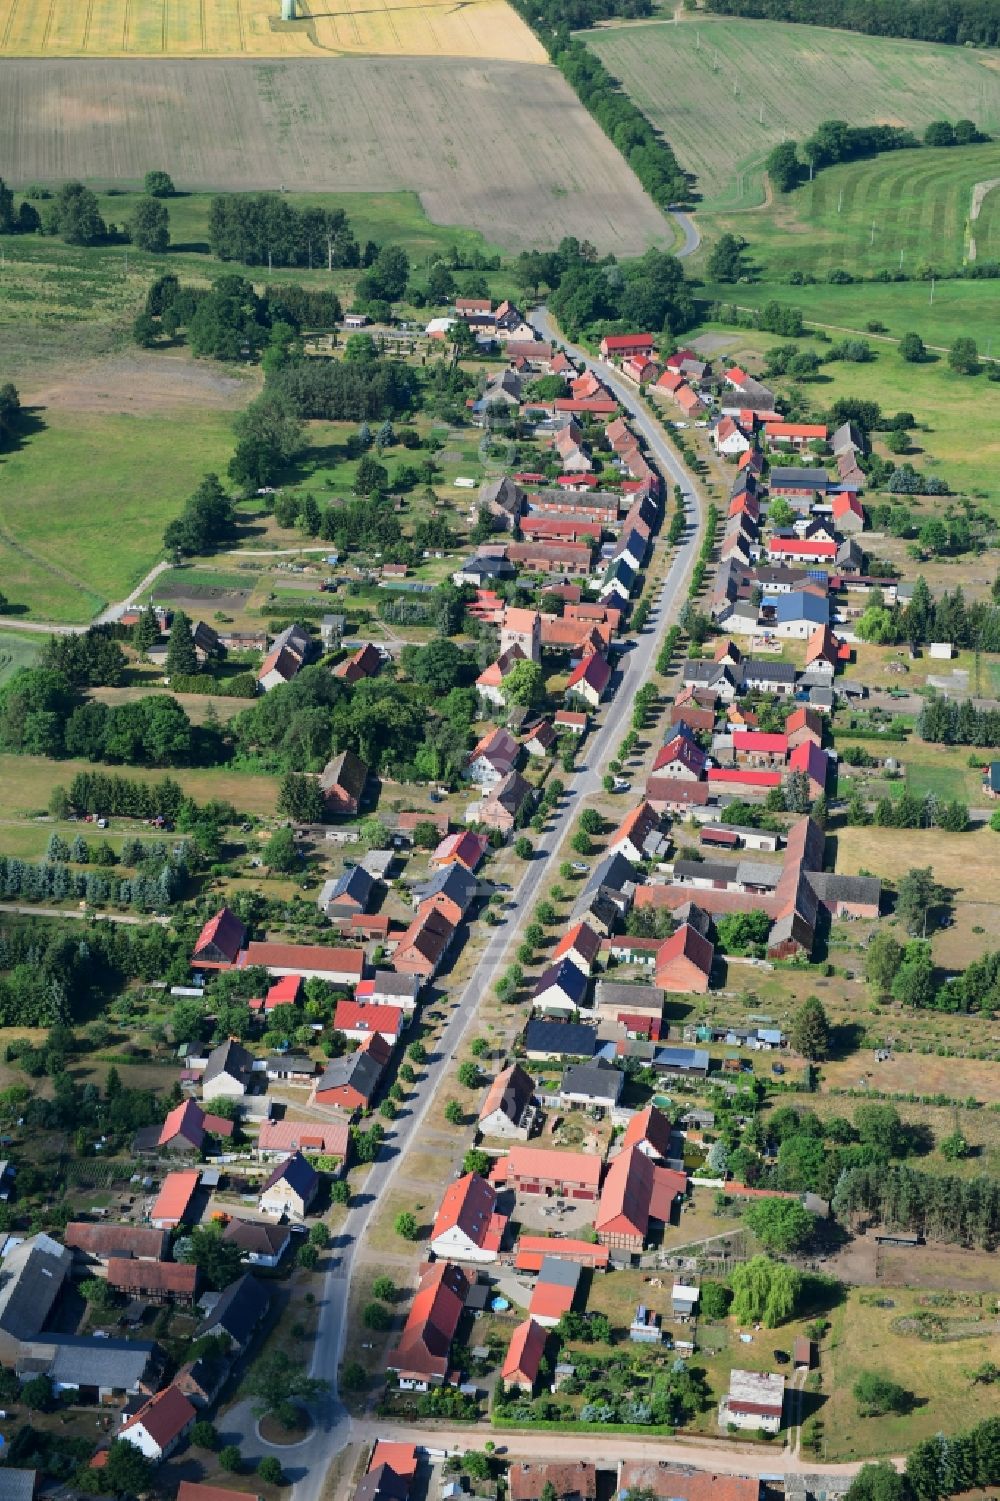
(801, 606)
(683, 1057)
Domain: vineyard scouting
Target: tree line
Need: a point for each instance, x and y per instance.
(947, 722)
(264, 229)
(55, 881)
(231, 320)
(974, 627)
(833, 141)
(957, 22)
(959, 1211)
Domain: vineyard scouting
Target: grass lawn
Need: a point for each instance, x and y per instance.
(17, 649)
(87, 498)
(27, 783)
(761, 82)
(863, 1339)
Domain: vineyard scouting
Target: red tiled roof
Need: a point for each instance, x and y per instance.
(425, 1341)
(583, 939)
(592, 670)
(469, 1205)
(350, 1016)
(163, 1416)
(524, 1353)
(175, 1195)
(795, 430)
(757, 741)
(689, 944)
(801, 547)
(650, 1126)
(529, 1163)
(304, 1136)
(744, 775)
(615, 342)
(224, 931)
(179, 1277)
(306, 956)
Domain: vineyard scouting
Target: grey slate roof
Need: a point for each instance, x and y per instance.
(560, 1273)
(298, 1173)
(705, 870)
(798, 479)
(30, 1281)
(239, 1310)
(565, 975)
(831, 887)
(228, 1058)
(620, 993)
(17, 1485)
(758, 873)
(453, 881)
(358, 1070)
(599, 1081)
(82, 1360)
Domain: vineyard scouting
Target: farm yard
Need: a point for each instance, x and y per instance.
(706, 82)
(353, 124)
(184, 28)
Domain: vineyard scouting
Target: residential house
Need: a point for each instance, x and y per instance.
(467, 1226)
(421, 1357)
(227, 1076)
(561, 990)
(183, 1130)
(649, 1131)
(290, 1068)
(589, 679)
(391, 989)
(540, 739)
(729, 439)
(804, 724)
(684, 963)
(452, 889)
(259, 1243)
(493, 758)
(639, 836)
(681, 759)
(569, 722)
(359, 1020)
(343, 896)
(425, 942)
(350, 1083)
(555, 1290)
(597, 1084)
(489, 683)
(342, 783)
(219, 942)
(801, 549)
(238, 1313)
(366, 662)
(813, 763)
(160, 1424)
(279, 1139)
(289, 1188)
(624, 346)
(848, 439)
(580, 945)
(285, 659)
(508, 1110)
(754, 748)
(794, 434)
(616, 1000)
(524, 1356)
(754, 1401)
(173, 1203)
(502, 805)
(465, 849)
(848, 514)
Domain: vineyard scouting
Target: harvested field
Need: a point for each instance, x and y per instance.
(184, 28)
(353, 125)
(140, 381)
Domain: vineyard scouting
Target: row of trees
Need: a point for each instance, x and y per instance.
(833, 141)
(959, 22)
(975, 626)
(264, 229)
(960, 1211)
(52, 881)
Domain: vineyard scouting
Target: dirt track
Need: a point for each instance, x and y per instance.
(505, 148)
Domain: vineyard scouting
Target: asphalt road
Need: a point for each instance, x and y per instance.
(692, 236)
(306, 1463)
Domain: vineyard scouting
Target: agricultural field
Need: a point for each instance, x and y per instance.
(358, 125)
(725, 90)
(187, 28)
(27, 783)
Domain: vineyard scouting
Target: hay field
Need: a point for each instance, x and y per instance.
(252, 28)
(501, 147)
(724, 90)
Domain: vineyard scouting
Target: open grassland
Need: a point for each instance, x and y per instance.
(227, 28)
(958, 417)
(27, 783)
(724, 90)
(867, 1338)
(355, 125)
(85, 499)
(905, 210)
